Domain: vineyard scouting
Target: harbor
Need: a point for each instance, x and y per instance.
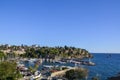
(48, 69)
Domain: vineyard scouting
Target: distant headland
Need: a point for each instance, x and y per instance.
(37, 51)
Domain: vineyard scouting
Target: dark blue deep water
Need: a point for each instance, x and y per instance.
(106, 65)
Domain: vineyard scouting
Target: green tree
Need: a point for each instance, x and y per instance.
(8, 71)
(2, 56)
(70, 74)
(33, 69)
(76, 74)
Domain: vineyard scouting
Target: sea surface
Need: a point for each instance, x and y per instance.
(107, 65)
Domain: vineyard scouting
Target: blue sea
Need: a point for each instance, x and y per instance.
(106, 65)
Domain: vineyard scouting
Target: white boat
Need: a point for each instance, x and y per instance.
(60, 62)
(32, 60)
(36, 75)
(91, 63)
(48, 66)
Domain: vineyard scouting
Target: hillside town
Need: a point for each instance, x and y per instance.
(46, 63)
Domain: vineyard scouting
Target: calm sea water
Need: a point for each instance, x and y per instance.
(106, 66)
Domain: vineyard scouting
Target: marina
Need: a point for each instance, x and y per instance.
(46, 70)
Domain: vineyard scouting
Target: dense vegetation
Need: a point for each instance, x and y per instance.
(76, 74)
(8, 71)
(52, 52)
(48, 52)
(2, 55)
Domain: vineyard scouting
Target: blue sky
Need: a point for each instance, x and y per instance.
(90, 24)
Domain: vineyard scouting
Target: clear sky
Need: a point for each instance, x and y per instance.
(90, 24)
